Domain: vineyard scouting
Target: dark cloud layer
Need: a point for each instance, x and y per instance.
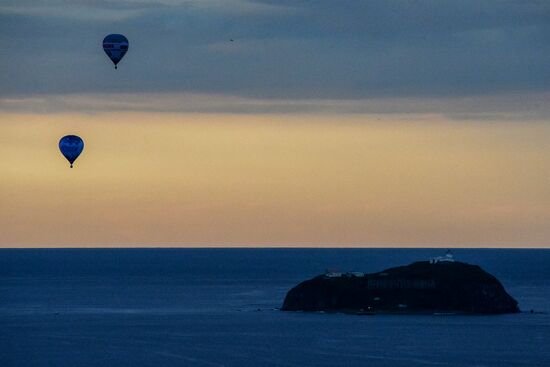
(281, 49)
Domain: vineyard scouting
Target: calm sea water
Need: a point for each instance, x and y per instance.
(218, 307)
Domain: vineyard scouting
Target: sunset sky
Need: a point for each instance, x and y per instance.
(324, 123)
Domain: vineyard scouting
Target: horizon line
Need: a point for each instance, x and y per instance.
(198, 247)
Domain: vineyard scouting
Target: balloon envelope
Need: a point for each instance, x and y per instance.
(115, 46)
(71, 146)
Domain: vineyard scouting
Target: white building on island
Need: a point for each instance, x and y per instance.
(333, 273)
(447, 258)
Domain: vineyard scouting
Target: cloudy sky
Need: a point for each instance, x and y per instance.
(323, 123)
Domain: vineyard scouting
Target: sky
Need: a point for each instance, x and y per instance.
(276, 123)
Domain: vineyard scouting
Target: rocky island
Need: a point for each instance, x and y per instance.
(438, 286)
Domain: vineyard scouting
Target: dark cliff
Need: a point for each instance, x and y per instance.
(421, 287)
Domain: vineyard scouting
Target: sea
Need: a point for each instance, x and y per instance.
(220, 307)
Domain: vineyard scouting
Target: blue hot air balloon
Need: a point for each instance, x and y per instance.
(115, 46)
(71, 146)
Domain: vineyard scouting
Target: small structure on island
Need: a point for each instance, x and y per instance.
(332, 273)
(448, 258)
(335, 273)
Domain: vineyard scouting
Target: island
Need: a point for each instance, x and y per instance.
(438, 286)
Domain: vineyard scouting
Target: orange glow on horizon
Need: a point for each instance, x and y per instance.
(204, 180)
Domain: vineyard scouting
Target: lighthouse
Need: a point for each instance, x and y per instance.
(447, 258)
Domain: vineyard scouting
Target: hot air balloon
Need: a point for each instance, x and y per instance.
(71, 146)
(115, 46)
